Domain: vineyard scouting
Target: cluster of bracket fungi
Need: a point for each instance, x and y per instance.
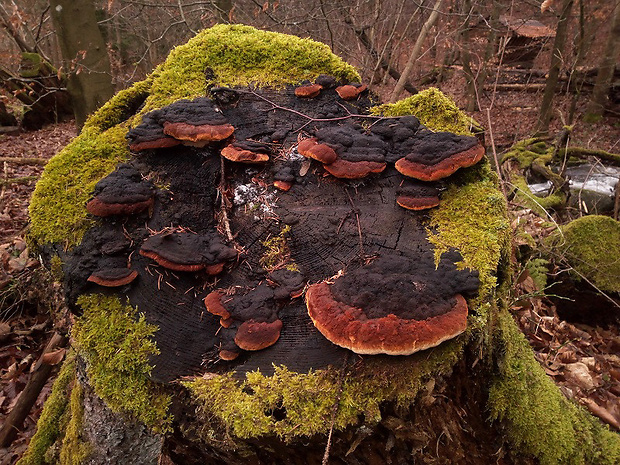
(396, 302)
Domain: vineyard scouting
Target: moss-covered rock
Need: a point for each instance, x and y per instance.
(588, 244)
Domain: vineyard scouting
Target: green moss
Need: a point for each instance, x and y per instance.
(541, 421)
(74, 450)
(33, 65)
(58, 206)
(237, 55)
(49, 424)
(248, 408)
(538, 269)
(120, 107)
(472, 219)
(117, 344)
(277, 253)
(56, 269)
(587, 244)
(434, 109)
(527, 150)
(539, 205)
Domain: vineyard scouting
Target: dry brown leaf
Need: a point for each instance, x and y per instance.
(53, 358)
(601, 412)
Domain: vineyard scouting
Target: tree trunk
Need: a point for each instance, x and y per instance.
(605, 74)
(400, 85)
(85, 54)
(546, 107)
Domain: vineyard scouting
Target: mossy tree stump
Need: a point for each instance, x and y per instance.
(158, 370)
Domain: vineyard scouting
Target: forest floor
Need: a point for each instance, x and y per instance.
(580, 356)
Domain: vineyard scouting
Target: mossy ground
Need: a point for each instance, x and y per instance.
(49, 426)
(434, 109)
(116, 343)
(540, 420)
(229, 55)
(590, 244)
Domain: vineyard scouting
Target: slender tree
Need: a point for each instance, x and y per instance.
(85, 54)
(546, 107)
(597, 104)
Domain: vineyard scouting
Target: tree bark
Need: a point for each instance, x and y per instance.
(85, 54)
(597, 104)
(546, 107)
(415, 53)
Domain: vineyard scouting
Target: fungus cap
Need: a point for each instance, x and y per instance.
(257, 335)
(346, 327)
(353, 169)
(309, 91)
(113, 277)
(310, 148)
(350, 92)
(198, 133)
(247, 152)
(123, 192)
(396, 305)
(182, 251)
(414, 195)
(439, 155)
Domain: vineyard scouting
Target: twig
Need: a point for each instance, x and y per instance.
(335, 409)
(312, 119)
(222, 188)
(29, 395)
(24, 161)
(24, 180)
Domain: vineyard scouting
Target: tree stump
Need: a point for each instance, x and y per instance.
(193, 246)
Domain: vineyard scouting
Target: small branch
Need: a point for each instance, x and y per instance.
(222, 189)
(31, 392)
(312, 119)
(583, 153)
(19, 181)
(24, 161)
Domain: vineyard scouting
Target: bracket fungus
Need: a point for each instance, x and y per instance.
(308, 91)
(350, 91)
(184, 251)
(397, 305)
(246, 152)
(113, 277)
(437, 155)
(417, 196)
(189, 122)
(251, 317)
(123, 192)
